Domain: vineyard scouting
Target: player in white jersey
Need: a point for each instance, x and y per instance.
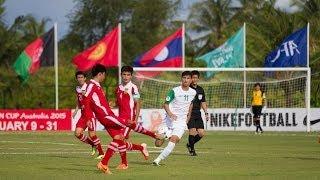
(177, 105)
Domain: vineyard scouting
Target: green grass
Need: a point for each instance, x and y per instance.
(221, 155)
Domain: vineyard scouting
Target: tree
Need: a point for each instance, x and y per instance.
(91, 20)
(143, 23)
(150, 22)
(210, 17)
(310, 13)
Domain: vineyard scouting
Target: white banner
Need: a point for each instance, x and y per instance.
(278, 119)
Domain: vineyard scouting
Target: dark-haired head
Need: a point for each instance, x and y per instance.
(127, 69)
(195, 72)
(80, 77)
(186, 73)
(98, 68)
(80, 73)
(257, 86)
(186, 78)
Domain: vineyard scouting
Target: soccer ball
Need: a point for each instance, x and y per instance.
(165, 133)
(158, 142)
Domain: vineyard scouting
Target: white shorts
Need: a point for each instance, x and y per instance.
(171, 128)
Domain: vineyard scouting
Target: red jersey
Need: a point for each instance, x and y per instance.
(96, 102)
(126, 100)
(80, 91)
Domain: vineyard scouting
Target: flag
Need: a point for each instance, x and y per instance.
(230, 54)
(38, 53)
(104, 52)
(167, 53)
(291, 52)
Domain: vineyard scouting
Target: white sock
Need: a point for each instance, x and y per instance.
(167, 150)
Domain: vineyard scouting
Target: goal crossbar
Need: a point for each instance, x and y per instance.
(221, 69)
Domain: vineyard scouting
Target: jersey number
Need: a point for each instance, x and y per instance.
(186, 97)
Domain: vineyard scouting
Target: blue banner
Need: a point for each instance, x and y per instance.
(291, 52)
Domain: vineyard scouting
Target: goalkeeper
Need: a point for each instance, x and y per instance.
(258, 99)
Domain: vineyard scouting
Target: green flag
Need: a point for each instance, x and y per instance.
(230, 54)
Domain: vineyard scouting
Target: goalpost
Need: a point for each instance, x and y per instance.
(227, 87)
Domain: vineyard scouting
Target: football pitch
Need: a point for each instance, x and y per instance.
(221, 155)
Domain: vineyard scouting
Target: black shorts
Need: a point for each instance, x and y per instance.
(195, 123)
(256, 110)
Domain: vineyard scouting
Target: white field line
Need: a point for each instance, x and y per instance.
(59, 152)
(55, 149)
(57, 143)
(33, 142)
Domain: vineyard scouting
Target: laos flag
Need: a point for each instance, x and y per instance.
(167, 53)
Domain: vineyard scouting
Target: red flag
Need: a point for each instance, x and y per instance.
(104, 52)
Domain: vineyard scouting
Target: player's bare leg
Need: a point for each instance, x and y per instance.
(167, 150)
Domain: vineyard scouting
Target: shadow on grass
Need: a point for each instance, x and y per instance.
(63, 157)
(303, 158)
(70, 169)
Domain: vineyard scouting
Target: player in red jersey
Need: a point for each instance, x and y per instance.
(82, 124)
(128, 101)
(96, 102)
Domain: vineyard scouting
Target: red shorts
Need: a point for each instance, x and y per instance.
(114, 131)
(126, 131)
(114, 125)
(82, 123)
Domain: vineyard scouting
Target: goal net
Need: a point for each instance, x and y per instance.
(229, 87)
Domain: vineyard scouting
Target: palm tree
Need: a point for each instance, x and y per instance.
(210, 18)
(310, 12)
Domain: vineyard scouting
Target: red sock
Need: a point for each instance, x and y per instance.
(112, 147)
(137, 147)
(138, 128)
(85, 139)
(123, 151)
(97, 144)
(131, 147)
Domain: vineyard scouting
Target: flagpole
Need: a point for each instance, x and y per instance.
(183, 45)
(56, 65)
(244, 65)
(119, 53)
(308, 31)
(308, 82)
